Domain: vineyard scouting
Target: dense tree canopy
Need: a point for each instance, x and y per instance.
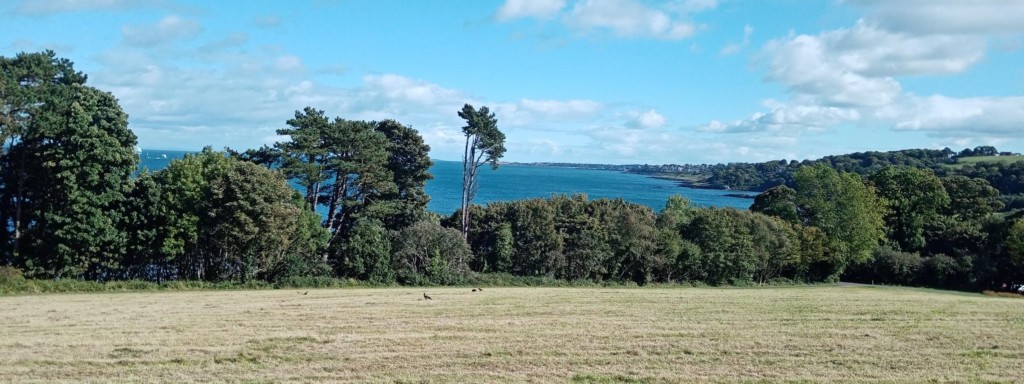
(844, 208)
(913, 198)
(364, 176)
(219, 219)
(67, 158)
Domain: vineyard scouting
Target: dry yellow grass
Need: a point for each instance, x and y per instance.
(514, 335)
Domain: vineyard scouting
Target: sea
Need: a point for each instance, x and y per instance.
(523, 181)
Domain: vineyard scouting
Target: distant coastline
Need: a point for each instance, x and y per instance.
(740, 195)
(683, 181)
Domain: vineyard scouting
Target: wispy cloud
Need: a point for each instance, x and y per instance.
(49, 7)
(267, 21)
(168, 29)
(541, 9)
(735, 48)
(631, 19)
(627, 18)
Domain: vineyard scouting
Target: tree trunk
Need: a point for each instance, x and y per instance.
(337, 193)
(464, 204)
(338, 205)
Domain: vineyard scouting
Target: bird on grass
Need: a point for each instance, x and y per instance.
(474, 289)
(425, 297)
(305, 293)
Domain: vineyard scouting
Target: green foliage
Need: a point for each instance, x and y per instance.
(10, 275)
(778, 201)
(677, 213)
(306, 254)
(944, 271)
(219, 219)
(426, 252)
(913, 197)
(632, 239)
(727, 249)
(969, 199)
(248, 222)
(816, 260)
(740, 246)
(584, 240)
(409, 163)
(485, 144)
(844, 208)
(66, 161)
(538, 249)
(776, 248)
(293, 267)
(367, 253)
(889, 266)
(1015, 242)
(358, 171)
(1005, 177)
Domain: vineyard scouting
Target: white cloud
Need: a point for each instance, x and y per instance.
(47, 7)
(871, 51)
(808, 68)
(849, 75)
(400, 89)
(628, 18)
(947, 16)
(697, 5)
(561, 108)
(856, 66)
(648, 119)
(288, 63)
(531, 113)
(947, 116)
(168, 29)
(541, 9)
(786, 119)
(664, 20)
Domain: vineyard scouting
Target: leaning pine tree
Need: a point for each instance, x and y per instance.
(485, 144)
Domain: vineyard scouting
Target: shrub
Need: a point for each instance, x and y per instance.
(427, 253)
(11, 275)
(889, 266)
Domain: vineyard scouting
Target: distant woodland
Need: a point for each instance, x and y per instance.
(75, 208)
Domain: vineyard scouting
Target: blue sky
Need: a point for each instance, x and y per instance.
(599, 81)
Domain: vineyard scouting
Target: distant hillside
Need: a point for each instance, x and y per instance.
(1003, 170)
(990, 159)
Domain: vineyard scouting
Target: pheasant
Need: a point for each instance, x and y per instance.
(425, 297)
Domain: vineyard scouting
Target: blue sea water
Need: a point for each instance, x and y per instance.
(517, 181)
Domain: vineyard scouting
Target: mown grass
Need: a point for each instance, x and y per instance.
(585, 335)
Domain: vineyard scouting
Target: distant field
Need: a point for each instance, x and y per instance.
(514, 335)
(989, 159)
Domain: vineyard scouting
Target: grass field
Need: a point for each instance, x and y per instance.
(989, 159)
(514, 335)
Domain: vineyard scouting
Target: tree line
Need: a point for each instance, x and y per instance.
(345, 199)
